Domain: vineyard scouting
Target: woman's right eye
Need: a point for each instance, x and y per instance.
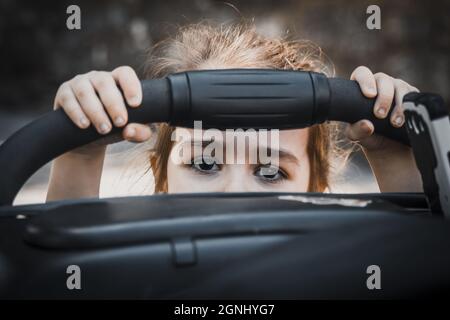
(205, 165)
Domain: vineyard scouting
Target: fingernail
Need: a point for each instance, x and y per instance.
(398, 121)
(119, 121)
(381, 112)
(131, 132)
(84, 122)
(365, 127)
(104, 128)
(134, 100)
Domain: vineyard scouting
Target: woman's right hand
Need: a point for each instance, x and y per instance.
(95, 98)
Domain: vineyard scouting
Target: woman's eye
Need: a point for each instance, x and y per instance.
(270, 173)
(205, 165)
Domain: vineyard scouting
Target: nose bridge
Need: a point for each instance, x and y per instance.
(236, 180)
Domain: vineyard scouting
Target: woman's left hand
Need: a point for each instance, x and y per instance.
(392, 163)
(386, 89)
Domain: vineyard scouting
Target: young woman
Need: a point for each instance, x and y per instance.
(95, 99)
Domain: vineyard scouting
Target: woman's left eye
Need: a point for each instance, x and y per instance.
(270, 173)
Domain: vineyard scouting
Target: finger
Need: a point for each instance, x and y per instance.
(397, 116)
(136, 132)
(129, 83)
(359, 130)
(413, 89)
(366, 81)
(90, 103)
(65, 99)
(385, 97)
(110, 96)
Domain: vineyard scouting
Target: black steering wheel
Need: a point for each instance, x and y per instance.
(246, 245)
(232, 98)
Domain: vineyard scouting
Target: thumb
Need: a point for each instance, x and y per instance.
(359, 130)
(135, 132)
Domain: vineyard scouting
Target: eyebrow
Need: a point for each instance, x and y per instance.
(287, 156)
(283, 154)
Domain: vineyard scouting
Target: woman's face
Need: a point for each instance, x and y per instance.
(276, 162)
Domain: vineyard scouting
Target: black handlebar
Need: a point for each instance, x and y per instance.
(232, 98)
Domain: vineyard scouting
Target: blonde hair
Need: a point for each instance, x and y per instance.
(208, 46)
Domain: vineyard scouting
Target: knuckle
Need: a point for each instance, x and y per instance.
(401, 83)
(103, 74)
(123, 70)
(79, 91)
(64, 86)
(64, 98)
(382, 76)
(77, 78)
(81, 88)
(77, 82)
(92, 73)
(101, 80)
(363, 70)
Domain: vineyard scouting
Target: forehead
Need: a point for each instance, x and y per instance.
(294, 140)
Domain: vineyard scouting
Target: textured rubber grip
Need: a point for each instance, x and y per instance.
(248, 98)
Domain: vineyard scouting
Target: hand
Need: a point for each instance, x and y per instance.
(386, 90)
(95, 99)
(392, 163)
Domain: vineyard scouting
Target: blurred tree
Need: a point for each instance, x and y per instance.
(38, 52)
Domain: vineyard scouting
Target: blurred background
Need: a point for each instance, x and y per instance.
(38, 53)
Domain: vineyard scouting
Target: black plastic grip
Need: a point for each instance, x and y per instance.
(233, 98)
(248, 98)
